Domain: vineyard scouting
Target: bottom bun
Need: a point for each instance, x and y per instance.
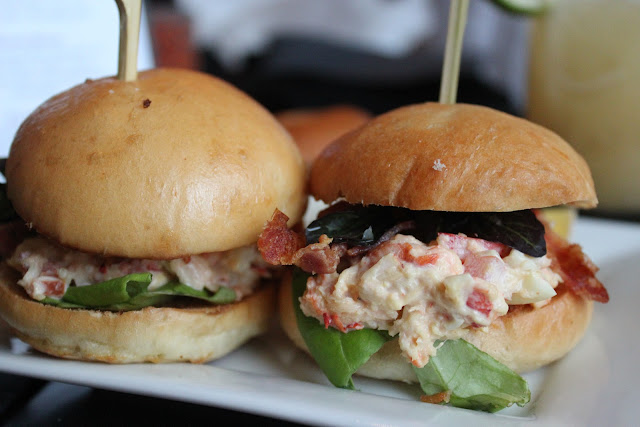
(195, 333)
(524, 339)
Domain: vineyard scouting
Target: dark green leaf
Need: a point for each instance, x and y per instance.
(475, 379)
(358, 225)
(520, 230)
(338, 354)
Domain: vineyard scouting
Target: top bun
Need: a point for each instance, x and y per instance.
(458, 157)
(315, 128)
(174, 163)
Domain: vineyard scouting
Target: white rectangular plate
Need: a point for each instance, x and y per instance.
(596, 384)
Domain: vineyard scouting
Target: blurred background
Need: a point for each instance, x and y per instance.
(378, 54)
(574, 68)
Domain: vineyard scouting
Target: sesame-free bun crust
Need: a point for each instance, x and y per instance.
(314, 128)
(193, 333)
(197, 168)
(524, 339)
(459, 157)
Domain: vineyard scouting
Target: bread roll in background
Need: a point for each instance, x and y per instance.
(314, 128)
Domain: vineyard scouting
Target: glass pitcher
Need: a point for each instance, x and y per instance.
(584, 84)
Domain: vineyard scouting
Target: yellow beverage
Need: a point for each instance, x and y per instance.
(584, 84)
(560, 219)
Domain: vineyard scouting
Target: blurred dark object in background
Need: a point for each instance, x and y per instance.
(302, 71)
(283, 89)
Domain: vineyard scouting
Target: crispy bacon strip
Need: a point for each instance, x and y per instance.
(277, 243)
(576, 269)
(281, 246)
(320, 258)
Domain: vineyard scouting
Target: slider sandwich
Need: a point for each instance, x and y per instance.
(131, 215)
(432, 263)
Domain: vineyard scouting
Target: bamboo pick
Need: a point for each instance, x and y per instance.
(130, 11)
(453, 51)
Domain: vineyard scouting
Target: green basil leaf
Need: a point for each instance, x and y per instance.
(360, 226)
(131, 292)
(114, 291)
(136, 303)
(355, 227)
(520, 230)
(223, 295)
(475, 379)
(338, 354)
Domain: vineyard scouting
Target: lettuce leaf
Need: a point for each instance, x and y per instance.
(475, 379)
(364, 225)
(223, 295)
(131, 292)
(338, 354)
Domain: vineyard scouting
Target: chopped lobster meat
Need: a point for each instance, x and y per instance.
(463, 245)
(479, 301)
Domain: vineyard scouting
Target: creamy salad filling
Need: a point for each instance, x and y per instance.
(49, 269)
(425, 292)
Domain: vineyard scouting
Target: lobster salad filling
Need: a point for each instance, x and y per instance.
(49, 269)
(424, 292)
(423, 275)
(58, 275)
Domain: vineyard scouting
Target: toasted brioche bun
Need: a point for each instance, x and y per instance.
(315, 128)
(174, 163)
(524, 339)
(458, 157)
(190, 333)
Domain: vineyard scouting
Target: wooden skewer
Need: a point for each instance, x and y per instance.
(453, 51)
(130, 11)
